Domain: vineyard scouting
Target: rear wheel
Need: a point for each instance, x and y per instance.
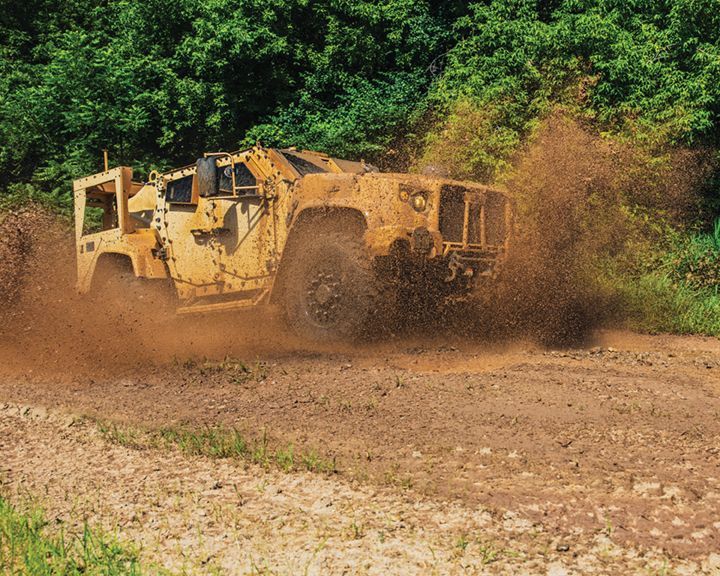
(117, 289)
(330, 291)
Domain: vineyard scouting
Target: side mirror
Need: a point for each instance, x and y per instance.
(207, 177)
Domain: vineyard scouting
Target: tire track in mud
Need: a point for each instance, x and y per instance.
(619, 440)
(196, 514)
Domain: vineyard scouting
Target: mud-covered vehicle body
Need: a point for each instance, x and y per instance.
(336, 243)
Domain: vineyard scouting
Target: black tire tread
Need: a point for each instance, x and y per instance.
(368, 320)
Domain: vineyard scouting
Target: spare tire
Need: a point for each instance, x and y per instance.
(207, 176)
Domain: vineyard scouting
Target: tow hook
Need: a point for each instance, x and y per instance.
(456, 265)
(453, 266)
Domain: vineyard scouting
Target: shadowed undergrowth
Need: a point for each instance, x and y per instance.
(677, 291)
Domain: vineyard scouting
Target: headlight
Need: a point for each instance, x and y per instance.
(419, 202)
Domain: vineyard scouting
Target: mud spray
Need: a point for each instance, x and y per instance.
(566, 187)
(570, 186)
(46, 327)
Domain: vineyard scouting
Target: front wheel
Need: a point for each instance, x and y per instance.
(331, 292)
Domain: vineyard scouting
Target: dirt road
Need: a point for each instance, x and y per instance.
(585, 459)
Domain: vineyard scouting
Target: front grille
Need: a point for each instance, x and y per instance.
(496, 222)
(452, 213)
(485, 216)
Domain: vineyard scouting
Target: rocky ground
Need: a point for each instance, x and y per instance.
(452, 458)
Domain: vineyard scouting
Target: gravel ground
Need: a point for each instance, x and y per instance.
(453, 458)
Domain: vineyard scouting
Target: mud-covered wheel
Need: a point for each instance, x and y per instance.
(115, 287)
(330, 290)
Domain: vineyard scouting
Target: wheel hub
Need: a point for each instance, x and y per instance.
(323, 294)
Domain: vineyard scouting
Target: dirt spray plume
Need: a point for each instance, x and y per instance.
(577, 197)
(568, 217)
(47, 327)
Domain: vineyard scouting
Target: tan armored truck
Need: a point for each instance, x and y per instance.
(339, 246)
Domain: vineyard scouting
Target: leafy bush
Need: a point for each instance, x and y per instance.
(653, 303)
(694, 260)
(671, 288)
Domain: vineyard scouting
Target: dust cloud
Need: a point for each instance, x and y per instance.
(581, 202)
(46, 327)
(569, 218)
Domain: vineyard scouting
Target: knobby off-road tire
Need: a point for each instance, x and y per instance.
(331, 292)
(116, 289)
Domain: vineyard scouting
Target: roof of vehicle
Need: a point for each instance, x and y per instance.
(291, 162)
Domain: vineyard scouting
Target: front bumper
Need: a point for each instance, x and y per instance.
(418, 245)
(383, 241)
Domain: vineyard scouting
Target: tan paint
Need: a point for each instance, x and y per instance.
(233, 244)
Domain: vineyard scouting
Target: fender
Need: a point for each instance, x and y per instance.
(140, 247)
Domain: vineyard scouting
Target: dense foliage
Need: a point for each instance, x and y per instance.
(157, 81)
(645, 67)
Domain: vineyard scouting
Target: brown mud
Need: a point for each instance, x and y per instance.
(619, 440)
(46, 326)
(581, 211)
(197, 515)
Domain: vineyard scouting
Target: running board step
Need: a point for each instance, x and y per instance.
(222, 306)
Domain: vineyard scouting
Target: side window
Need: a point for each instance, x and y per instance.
(244, 179)
(180, 190)
(100, 211)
